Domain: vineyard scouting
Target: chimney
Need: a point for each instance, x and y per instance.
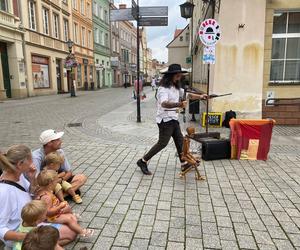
(122, 6)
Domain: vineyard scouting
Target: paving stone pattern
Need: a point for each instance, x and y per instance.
(241, 205)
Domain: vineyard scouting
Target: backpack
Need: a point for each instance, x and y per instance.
(228, 116)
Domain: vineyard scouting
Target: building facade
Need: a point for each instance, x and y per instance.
(12, 65)
(102, 43)
(178, 48)
(47, 26)
(82, 28)
(256, 57)
(115, 52)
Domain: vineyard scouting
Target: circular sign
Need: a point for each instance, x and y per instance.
(209, 32)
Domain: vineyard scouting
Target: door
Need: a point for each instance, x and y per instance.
(5, 69)
(58, 76)
(98, 79)
(103, 77)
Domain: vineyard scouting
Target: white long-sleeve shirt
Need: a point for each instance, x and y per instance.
(170, 95)
(12, 201)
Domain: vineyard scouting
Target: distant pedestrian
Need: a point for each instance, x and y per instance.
(153, 84)
(168, 95)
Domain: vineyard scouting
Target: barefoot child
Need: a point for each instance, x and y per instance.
(53, 161)
(32, 214)
(57, 211)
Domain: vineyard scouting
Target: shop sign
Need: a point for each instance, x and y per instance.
(209, 32)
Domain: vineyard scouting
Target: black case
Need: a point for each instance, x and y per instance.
(215, 149)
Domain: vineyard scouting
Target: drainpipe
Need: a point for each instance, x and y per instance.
(23, 46)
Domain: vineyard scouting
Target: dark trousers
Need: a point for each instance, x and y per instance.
(166, 131)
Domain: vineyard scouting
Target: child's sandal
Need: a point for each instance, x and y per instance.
(87, 233)
(77, 199)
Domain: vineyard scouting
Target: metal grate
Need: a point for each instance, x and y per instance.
(75, 124)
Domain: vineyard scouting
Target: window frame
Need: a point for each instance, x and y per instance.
(284, 36)
(46, 26)
(56, 26)
(32, 17)
(66, 29)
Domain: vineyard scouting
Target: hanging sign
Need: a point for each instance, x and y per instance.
(209, 55)
(209, 32)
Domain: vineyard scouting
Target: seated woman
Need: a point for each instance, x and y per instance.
(14, 194)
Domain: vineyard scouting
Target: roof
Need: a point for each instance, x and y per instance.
(177, 34)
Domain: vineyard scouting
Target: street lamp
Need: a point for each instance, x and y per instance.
(186, 9)
(72, 62)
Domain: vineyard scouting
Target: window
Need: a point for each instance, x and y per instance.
(45, 20)
(88, 7)
(32, 18)
(105, 16)
(101, 37)
(74, 4)
(3, 5)
(187, 37)
(82, 7)
(66, 29)
(95, 9)
(56, 25)
(96, 35)
(100, 12)
(285, 63)
(106, 39)
(75, 32)
(181, 38)
(89, 39)
(83, 35)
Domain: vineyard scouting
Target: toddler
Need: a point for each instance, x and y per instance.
(53, 161)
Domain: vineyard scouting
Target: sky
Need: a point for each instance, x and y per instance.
(159, 37)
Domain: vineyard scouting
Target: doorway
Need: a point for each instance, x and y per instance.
(58, 76)
(5, 69)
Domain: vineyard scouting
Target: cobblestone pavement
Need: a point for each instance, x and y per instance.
(241, 205)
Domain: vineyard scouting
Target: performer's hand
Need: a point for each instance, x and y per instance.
(183, 104)
(204, 96)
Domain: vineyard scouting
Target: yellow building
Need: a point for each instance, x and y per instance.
(257, 57)
(12, 67)
(83, 42)
(47, 25)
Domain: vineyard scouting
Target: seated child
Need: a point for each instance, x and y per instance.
(42, 238)
(57, 211)
(53, 161)
(32, 214)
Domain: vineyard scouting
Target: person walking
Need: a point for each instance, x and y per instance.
(168, 101)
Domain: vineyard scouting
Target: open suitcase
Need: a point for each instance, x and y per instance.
(215, 149)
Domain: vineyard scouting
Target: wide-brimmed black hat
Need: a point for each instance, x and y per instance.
(174, 69)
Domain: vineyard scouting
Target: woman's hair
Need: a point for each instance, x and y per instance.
(14, 155)
(53, 158)
(33, 211)
(45, 177)
(41, 238)
(167, 81)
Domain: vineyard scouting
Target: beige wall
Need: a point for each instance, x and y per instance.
(239, 58)
(279, 91)
(178, 50)
(11, 35)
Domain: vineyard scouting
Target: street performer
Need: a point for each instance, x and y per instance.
(168, 102)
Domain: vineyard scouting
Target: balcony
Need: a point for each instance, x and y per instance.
(101, 49)
(8, 19)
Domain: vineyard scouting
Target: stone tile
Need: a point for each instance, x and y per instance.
(246, 241)
(110, 230)
(211, 241)
(176, 234)
(123, 239)
(175, 245)
(229, 245)
(139, 244)
(143, 232)
(161, 226)
(129, 226)
(226, 233)
(283, 244)
(158, 239)
(194, 244)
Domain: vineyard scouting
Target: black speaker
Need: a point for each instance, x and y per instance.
(216, 149)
